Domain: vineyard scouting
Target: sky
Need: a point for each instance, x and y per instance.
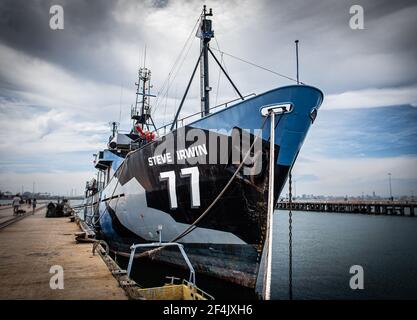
(59, 89)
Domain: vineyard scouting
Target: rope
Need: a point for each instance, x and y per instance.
(192, 227)
(290, 239)
(258, 66)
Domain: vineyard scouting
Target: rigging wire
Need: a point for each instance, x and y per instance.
(218, 80)
(220, 71)
(164, 84)
(169, 83)
(258, 66)
(182, 63)
(218, 47)
(165, 109)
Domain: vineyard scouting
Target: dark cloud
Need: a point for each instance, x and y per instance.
(89, 26)
(159, 3)
(87, 47)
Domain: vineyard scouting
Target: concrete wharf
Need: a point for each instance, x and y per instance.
(33, 245)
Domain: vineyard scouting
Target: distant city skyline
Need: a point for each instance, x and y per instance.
(59, 89)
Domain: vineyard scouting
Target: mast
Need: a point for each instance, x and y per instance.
(113, 128)
(205, 34)
(143, 88)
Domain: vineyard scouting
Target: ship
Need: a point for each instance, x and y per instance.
(202, 180)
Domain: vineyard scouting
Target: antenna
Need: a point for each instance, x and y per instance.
(114, 125)
(296, 56)
(120, 102)
(144, 57)
(205, 34)
(141, 114)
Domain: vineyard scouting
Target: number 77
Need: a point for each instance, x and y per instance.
(191, 172)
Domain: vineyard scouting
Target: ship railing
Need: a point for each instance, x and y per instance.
(198, 290)
(162, 244)
(187, 119)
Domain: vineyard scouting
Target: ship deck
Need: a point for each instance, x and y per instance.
(31, 246)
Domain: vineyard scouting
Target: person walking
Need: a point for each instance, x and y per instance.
(16, 203)
(34, 206)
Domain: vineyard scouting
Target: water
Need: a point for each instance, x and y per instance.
(76, 202)
(326, 245)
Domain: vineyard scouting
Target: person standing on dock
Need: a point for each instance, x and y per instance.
(34, 205)
(16, 204)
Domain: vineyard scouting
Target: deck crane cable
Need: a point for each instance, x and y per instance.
(258, 66)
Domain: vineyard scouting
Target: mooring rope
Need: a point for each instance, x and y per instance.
(193, 226)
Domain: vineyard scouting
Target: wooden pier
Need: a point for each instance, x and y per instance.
(393, 208)
(31, 246)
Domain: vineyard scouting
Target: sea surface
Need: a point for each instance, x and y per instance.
(326, 245)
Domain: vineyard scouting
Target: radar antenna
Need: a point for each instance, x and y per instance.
(141, 111)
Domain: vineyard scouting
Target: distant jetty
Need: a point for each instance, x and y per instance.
(394, 208)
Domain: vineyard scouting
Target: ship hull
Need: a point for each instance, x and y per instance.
(151, 191)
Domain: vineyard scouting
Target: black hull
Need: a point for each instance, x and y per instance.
(227, 242)
(241, 212)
